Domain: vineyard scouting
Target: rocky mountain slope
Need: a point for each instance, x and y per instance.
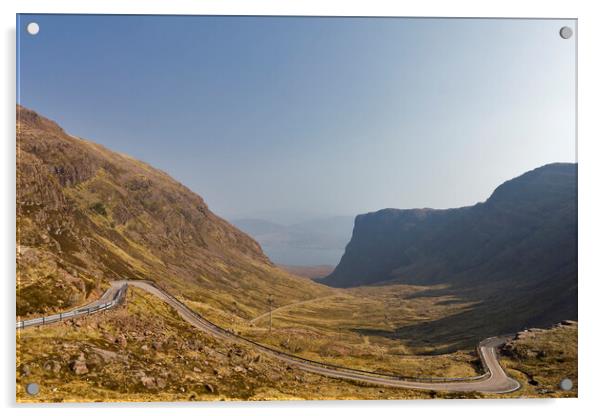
(521, 242)
(86, 215)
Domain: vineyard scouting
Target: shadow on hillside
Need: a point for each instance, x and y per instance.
(456, 332)
(492, 315)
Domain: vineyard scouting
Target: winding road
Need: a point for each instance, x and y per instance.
(494, 380)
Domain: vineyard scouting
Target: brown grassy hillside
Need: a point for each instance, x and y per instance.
(541, 358)
(143, 351)
(86, 215)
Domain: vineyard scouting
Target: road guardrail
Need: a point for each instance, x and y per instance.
(75, 313)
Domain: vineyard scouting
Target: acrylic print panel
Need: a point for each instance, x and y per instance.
(274, 208)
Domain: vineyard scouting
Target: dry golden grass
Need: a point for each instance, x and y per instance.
(145, 352)
(356, 328)
(541, 359)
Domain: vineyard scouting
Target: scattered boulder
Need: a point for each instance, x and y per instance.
(106, 355)
(148, 382)
(161, 383)
(195, 345)
(121, 341)
(52, 366)
(79, 366)
(25, 370)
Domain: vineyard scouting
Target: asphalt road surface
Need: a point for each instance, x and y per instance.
(494, 380)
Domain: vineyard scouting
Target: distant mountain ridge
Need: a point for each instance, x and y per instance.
(523, 236)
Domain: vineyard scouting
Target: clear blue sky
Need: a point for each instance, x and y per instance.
(311, 116)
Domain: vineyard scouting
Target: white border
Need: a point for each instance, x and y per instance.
(590, 207)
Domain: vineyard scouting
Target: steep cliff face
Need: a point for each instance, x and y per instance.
(86, 215)
(526, 231)
(518, 249)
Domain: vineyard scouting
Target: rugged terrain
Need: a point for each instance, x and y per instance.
(86, 215)
(541, 358)
(145, 352)
(521, 242)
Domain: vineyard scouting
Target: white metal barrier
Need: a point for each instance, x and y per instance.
(44, 320)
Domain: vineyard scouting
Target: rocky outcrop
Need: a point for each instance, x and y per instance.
(79, 366)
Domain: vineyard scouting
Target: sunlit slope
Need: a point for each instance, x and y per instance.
(144, 351)
(86, 215)
(541, 358)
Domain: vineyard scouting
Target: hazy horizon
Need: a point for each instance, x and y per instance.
(290, 119)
